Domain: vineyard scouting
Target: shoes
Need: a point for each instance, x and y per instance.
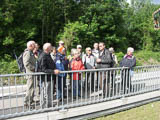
(36, 99)
(47, 105)
(58, 100)
(26, 105)
(30, 105)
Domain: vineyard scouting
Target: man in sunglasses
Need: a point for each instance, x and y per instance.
(104, 61)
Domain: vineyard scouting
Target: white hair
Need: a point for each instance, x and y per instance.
(111, 49)
(88, 48)
(46, 46)
(75, 52)
(72, 51)
(30, 43)
(130, 49)
(95, 44)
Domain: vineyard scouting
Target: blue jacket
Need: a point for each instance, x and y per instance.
(61, 63)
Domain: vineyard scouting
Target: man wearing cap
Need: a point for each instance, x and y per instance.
(79, 48)
(128, 61)
(62, 65)
(61, 45)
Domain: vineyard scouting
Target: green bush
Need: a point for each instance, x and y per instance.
(8, 65)
(119, 55)
(143, 57)
(147, 58)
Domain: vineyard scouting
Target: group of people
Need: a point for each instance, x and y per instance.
(52, 60)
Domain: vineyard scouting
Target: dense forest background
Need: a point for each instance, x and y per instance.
(84, 22)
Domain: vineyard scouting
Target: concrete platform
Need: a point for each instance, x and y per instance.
(93, 108)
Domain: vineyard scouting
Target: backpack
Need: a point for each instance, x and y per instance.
(113, 61)
(20, 63)
(39, 62)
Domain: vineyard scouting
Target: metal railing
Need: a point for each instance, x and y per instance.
(23, 94)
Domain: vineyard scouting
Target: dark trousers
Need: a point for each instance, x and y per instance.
(104, 80)
(47, 88)
(90, 82)
(76, 88)
(61, 84)
(126, 86)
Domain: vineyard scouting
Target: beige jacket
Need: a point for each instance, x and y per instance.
(29, 61)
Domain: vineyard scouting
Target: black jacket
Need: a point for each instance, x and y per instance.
(46, 64)
(106, 59)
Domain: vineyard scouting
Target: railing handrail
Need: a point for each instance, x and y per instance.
(85, 87)
(72, 71)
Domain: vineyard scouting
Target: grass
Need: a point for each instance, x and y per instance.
(146, 112)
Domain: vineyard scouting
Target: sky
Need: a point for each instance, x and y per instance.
(156, 1)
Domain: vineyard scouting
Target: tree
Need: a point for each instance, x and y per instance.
(102, 21)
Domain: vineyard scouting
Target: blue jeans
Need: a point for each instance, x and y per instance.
(76, 86)
(61, 85)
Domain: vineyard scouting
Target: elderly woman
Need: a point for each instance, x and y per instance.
(128, 61)
(89, 61)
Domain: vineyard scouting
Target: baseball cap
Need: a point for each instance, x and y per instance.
(61, 42)
(79, 46)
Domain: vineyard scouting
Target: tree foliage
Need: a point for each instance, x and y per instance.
(114, 22)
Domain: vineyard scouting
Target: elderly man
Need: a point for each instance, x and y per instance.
(128, 61)
(104, 61)
(29, 62)
(79, 48)
(47, 65)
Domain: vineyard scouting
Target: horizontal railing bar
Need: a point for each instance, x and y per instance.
(87, 70)
(73, 88)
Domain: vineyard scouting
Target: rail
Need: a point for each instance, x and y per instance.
(24, 94)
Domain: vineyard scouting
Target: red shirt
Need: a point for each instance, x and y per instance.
(77, 64)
